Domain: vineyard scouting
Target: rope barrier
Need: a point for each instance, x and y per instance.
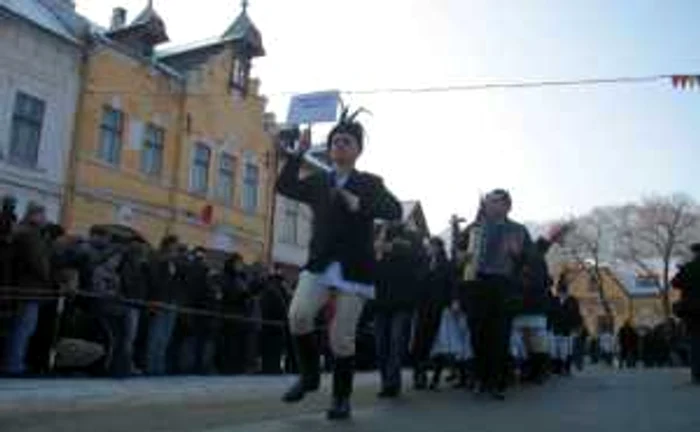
(38, 294)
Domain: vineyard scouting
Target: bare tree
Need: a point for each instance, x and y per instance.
(588, 245)
(659, 230)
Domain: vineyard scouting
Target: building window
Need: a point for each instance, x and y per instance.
(239, 73)
(111, 133)
(226, 178)
(152, 156)
(290, 226)
(200, 169)
(251, 178)
(27, 122)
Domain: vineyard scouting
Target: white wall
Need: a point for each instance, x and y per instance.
(45, 66)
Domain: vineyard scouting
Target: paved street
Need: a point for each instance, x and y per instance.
(599, 400)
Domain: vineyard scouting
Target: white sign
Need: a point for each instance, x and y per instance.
(314, 107)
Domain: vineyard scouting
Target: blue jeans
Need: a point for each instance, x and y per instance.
(131, 322)
(392, 329)
(160, 331)
(21, 328)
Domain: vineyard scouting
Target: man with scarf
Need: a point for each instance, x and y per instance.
(495, 250)
(341, 263)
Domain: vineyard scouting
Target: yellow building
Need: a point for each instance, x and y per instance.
(176, 141)
(627, 298)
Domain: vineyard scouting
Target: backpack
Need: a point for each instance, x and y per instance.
(105, 279)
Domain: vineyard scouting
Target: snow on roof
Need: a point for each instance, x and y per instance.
(36, 13)
(407, 208)
(191, 46)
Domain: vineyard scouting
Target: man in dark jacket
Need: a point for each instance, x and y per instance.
(32, 276)
(437, 288)
(274, 303)
(8, 220)
(628, 341)
(196, 351)
(399, 276)
(235, 295)
(494, 249)
(162, 293)
(566, 322)
(687, 280)
(345, 204)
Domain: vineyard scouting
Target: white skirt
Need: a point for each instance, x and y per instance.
(453, 338)
(333, 277)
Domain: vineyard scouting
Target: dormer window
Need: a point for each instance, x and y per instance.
(240, 73)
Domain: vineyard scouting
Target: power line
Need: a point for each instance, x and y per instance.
(503, 85)
(496, 85)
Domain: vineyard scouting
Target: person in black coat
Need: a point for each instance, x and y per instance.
(231, 351)
(164, 288)
(435, 296)
(687, 280)
(273, 310)
(566, 322)
(345, 204)
(399, 276)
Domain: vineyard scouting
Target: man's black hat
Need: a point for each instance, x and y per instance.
(348, 124)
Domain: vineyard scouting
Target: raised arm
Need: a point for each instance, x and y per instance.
(290, 185)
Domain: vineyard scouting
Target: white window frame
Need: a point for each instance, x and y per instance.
(200, 163)
(17, 155)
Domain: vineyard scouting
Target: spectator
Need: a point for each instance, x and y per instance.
(435, 296)
(232, 352)
(162, 292)
(628, 341)
(135, 275)
(399, 274)
(274, 302)
(198, 347)
(31, 267)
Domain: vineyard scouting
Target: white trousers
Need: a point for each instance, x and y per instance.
(310, 297)
(562, 347)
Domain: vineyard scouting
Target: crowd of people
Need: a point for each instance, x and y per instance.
(110, 305)
(489, 311)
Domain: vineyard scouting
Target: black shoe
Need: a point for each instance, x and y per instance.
(298, 391)
(340, 409)
(343, 375)
(388, 393)
(498, 395)
(309, 369)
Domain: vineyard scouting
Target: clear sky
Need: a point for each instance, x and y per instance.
(560, 151)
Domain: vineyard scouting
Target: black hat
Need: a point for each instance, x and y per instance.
(695, 248)
(502, 194)
(348, 125)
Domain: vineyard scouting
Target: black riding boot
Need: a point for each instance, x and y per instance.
(342, 389)
(309, 369)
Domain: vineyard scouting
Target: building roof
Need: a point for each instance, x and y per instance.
(241, 30)
(41, 16)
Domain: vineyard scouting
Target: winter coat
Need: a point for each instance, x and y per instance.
(535, 286)
(31, 259)
(399, 278)
(565, 317)
(165, 280)
(687, 280)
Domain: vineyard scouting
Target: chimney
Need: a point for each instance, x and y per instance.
(118, 18)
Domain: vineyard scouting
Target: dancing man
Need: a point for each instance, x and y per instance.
(345, 204)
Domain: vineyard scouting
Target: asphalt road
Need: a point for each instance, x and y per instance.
(596, 400)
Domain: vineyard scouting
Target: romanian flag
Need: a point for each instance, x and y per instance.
(685, 81)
